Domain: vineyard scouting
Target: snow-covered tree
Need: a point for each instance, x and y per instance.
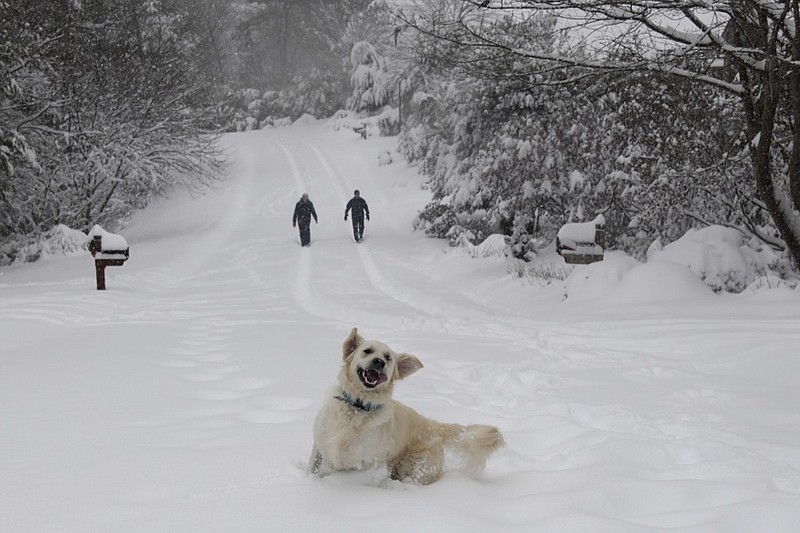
(108, 102)
(17, 47)
(368, 78)
(747, 48)
(522, 155)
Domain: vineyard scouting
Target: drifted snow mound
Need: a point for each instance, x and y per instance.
(305, 119)
(621, 278)
(598, 280)
(659, 281)
(719, 256)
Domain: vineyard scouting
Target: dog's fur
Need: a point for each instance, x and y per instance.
(362, 427)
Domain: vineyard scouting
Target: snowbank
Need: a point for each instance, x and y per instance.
(719, 256)
(661, 281)
(600, 279)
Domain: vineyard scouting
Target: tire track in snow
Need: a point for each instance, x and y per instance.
(297, 175)
(507, 383)
(302, 278)
(314, 303)
(430, 314)
(374, 274)
(437, 314)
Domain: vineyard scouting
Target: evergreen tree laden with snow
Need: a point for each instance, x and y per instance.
(368, 78)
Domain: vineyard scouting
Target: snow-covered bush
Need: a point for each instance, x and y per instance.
(542, 268)
(493, 246)
(436, 220)
(58, 241)
(389, 122)
(385, 158)
(723, 258)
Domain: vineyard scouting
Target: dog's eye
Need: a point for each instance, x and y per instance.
(388, 356)
(369, 351)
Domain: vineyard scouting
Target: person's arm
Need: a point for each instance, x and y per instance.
(294, 216)
(313, 212)
(347, 209)
(366, 208)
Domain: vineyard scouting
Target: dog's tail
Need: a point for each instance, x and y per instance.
(472, 444)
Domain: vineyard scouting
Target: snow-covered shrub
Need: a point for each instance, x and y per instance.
(771, 281)
(543, 267)
(58, 241)
(492, 246)
(723, 258)
(389, 122)
(384, 158)
(436, 220)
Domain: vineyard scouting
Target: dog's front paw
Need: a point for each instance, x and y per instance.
(316, 464)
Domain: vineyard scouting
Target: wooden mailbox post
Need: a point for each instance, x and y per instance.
(108, 250)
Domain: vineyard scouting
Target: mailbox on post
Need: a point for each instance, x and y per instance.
(108, 249)
(582, 243)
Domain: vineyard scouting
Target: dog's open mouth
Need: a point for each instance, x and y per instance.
(371, 378)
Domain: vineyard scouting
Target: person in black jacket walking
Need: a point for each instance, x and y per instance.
(359, 208)
(303, 211)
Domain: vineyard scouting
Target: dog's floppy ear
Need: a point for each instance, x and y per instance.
(351, 343)
(407, 364)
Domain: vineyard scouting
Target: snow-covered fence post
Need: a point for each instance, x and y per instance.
(582, 243)
(108, 249)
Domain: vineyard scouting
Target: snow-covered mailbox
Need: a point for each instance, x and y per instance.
(582, 243)
(108, 249)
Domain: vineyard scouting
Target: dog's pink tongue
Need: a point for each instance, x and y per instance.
(374, 376)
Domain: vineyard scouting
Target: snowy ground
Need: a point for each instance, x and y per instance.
(182, 398)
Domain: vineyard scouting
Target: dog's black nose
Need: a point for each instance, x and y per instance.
(378, 363)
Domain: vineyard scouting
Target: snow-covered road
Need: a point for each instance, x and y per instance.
(182, 398)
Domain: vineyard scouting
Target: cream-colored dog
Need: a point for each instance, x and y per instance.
(362, 427)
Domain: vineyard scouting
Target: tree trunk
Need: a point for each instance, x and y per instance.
(763, 123)
(794, 97)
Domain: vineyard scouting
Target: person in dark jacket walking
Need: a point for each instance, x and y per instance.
(359, 208)
(303, 211)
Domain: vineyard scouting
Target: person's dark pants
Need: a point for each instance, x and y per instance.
(358, 228)
(305, 234)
